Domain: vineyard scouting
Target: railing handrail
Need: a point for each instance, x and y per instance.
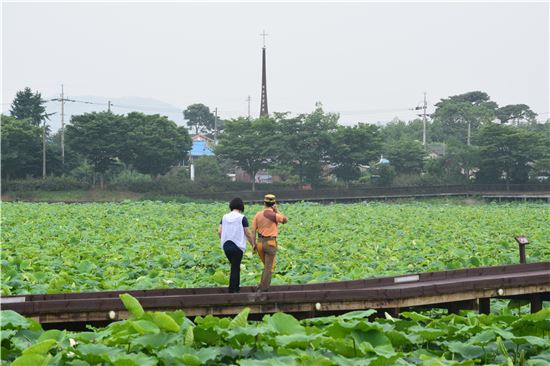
(373, 191)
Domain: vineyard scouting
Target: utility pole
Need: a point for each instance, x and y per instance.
(468, 140)
(216, 126)
(62, 129)
(248, 100)
(109, 106)
(424, 107)
(44, 150)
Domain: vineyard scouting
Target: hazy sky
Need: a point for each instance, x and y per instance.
(368, 61)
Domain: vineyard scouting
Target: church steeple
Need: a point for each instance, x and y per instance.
(263, 104)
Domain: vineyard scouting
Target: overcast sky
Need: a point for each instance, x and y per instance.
(368, 61)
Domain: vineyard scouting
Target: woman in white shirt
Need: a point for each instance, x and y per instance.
(233, 232)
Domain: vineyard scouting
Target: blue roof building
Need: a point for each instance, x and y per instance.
(200, 148)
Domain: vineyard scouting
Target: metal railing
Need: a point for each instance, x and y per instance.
(358, 192)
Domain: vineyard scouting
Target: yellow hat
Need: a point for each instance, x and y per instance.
(269, 198)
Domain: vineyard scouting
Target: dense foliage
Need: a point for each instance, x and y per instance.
(152, 144)
(469, 137)
(249, 143)
(64, 248)
(169, 338)
(21, 147)
(199, 117)
(29, 105)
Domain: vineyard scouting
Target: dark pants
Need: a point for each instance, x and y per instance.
(235, 256)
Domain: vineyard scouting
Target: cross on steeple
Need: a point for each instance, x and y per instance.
(264, 34)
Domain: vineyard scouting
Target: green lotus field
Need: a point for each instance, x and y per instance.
(50, 248)
(169, 338)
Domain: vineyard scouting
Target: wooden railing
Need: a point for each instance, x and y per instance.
(365, 192)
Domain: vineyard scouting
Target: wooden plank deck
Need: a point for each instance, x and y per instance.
(449, 289)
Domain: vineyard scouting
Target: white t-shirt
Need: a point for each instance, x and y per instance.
(233, 229)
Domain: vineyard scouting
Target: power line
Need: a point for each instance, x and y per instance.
(373, 111)
(248, 100)
(109, 104)
(74, 101)
(62, 128)
(160, 110)
(148, 108)
(358, 112)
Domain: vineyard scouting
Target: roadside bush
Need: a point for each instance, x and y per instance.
(207, 167)
(383, 175)
(48, 184)
(415, 180)
(83, 173)
(173, 185)
(130, 180)
(167, 184)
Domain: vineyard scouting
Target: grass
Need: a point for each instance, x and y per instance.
(77, 196)
(71, 196)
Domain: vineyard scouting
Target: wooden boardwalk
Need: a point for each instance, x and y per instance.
(465, 288)
(507, 196)
(495, 196)
(494, 192)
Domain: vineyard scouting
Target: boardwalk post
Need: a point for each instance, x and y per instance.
(536, 303)
(485, 306)
(522, 242)
(522, 254)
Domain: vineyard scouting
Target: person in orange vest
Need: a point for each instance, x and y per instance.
(264, 226)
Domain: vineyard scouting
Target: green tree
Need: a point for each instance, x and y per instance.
(249, 143)
(463, 159)
(199, 116)
(21, 148)
(516, 113)
(506, 152)
(456, 165)
(400, 130)
(284, 172)
(541, 168)
(152, 144)
(351, 147)
(97, 137)
(407, 156)
(475, 98)
(29, 105)
(53, 156)
(382, 174)
(208, 169)
(453, 115)
(304, 142)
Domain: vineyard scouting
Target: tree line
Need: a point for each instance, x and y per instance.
(150, 144)
(470, 138)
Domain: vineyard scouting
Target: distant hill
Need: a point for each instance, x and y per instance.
(121, 105)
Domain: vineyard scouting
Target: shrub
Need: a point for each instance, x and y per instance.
(207, 167)
(413, 180)
(130, 180)
(48, 184)
(383, 175)
(83, 173)
(173, 185)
